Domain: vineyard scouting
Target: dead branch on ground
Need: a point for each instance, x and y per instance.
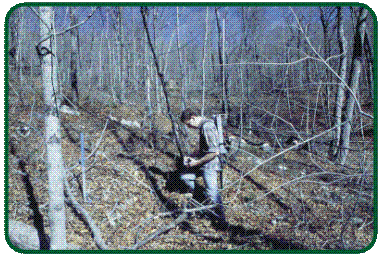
(163, 229)
(87, 218)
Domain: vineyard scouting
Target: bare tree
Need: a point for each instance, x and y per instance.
(74, 39)
(221, 59)
(14, 23)
(183, 96)
(339, 98)
(55, 164)
(158, 89)
(326, 17)
(356, 68)
(120, 52)
(144, 13)
(204, 61)
(369, 64)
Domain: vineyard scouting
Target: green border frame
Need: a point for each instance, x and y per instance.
(300, 4)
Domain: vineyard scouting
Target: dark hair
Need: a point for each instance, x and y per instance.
(187, 115)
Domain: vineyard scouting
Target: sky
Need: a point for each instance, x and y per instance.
(190, 18)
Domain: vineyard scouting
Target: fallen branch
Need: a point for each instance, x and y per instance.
(163, 229)
(87, 219)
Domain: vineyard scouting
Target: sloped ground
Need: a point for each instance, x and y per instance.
(280, 205)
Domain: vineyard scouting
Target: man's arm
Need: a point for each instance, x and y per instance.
(192, 162)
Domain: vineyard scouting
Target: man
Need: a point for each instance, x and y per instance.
(206, 162)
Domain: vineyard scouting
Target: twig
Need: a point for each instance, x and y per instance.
(99, 140)
(283, 120)
(69, 101)
(169, 213)
(14, 90)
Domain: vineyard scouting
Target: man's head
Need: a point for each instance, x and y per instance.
(190, 118)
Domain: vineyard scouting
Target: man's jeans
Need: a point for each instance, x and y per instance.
(211, 183)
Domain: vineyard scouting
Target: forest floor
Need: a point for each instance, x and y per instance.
(288, 203)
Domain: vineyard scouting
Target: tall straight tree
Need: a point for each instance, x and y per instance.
(183, 96)
(326, 17)
(221, 58)
(369, 64)
(74, 41)
(356, 68)
(204, 60)
(19, 53)
(339, 97)
(120, 52)
(55, 164)
(144, 13)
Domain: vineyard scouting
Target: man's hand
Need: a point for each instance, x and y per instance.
(190, 162)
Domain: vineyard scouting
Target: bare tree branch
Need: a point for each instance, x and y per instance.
(65, 30)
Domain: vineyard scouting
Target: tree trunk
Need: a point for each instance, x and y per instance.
(225, 88)
(339, 98)
(369, 65)
(109, 70)
(356, 67)
(144, 14)
(74, 39)
(148, 85)
(221, 80)
(183, 96)
(326, 42)
(133, 75)
(19, 55)
(204, 62)
(55, 164)
(121, 59)
(101, 70)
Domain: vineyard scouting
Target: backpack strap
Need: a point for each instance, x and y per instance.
(207, 120)
(218, 123)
